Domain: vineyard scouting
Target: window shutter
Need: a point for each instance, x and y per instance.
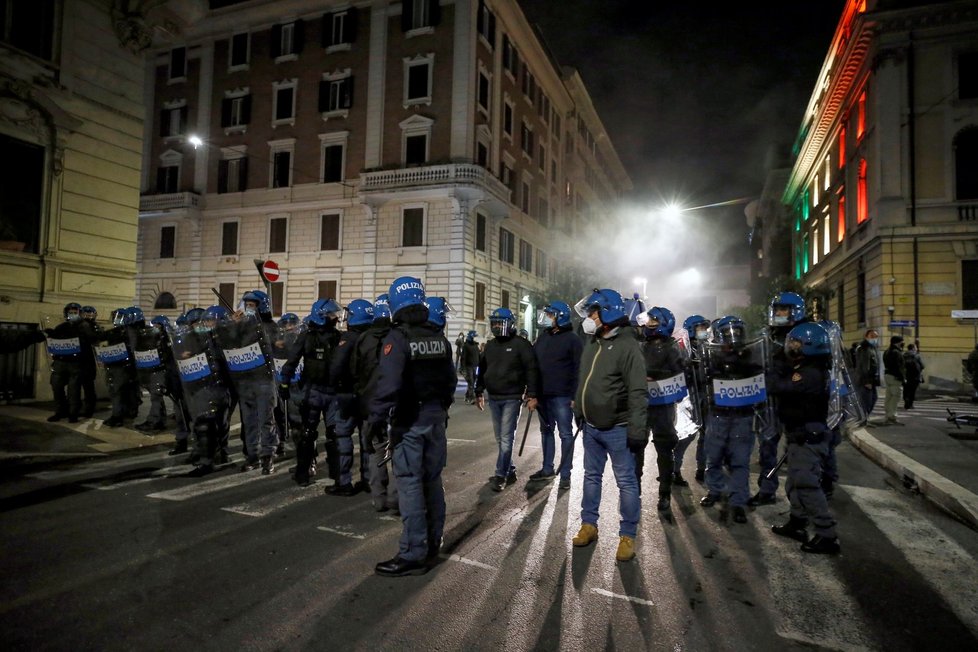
(347, 100)
(276, 44)
(299, 36)
(226, 112)
(243, 174)
(222, 176)
(323, 96)
(246, 110)
(492, 29)
(161, 180)
(434, 13)
(164, 123)
(326, 30)
(479, 21)
(407, 8)
(184, 127)
(350, 26)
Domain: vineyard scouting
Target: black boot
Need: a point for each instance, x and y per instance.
(710, 499)
(739, 514)
(180, 448)
(267, 465)
(398, 567)
(822, 545)
(341, 490)
(664, 504)
(793, 529)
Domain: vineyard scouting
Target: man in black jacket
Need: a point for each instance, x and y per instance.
(508, 371)
(895, 373)
(558, 350)
(867, 369)
(470, 362)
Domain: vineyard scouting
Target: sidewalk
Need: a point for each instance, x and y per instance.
(923, 453)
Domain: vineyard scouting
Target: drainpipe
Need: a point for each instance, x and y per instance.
(912, 137)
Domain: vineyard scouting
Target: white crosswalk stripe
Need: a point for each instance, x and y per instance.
(266, 504)
(100, 467)
(205, 487)
(155, 475)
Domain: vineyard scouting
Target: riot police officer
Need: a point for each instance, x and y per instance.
(113, 352)
(415, 387)
(89, 368)
(148, 346)
(66, 344)
(698, 329)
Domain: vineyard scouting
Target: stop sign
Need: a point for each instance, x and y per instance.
(270, 271)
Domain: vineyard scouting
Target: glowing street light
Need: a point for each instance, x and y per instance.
(641, 281)
(195, 140)
(672, 211)
(690, 276)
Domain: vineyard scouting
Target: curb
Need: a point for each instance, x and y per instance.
(948, 495)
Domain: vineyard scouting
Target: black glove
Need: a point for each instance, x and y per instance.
(396, 436)
(578, 421)
(283, 391)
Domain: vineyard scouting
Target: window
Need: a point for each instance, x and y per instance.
(842, 148)
(281, 169)
(805, 256)
(525, 197)
(419, 14)
(277, 296)
(240, 52)
(173, 120)
(815, 247)
(236, 111)
(969, 284)
(21, 191)
(168, 179)
(287, 41)
(232, 175)
(28, 26)
(339, 30)
(412, 227)
(862, 198)
(826, 235)
(168, 239)
(165, 301)
(336, 92)
(527, 80)
(480, 300)
(482, 154)
(504, 298)
(841, 229)
(415, 137)
(511, 58)
(861, 116)
(417, 85)
(507, 243)
(284, 93)
(486, 24)
(815, 191)
(508, 177)
(542, 158)
(968, 75)
(966, 164)
(861, 297)
(329, 232)
(541, 263)
(840, 310)
(178, 64)
(278, 234)
(526, 139)
(526, 256)
(828, 173)
(328, 290)
(226, 290)
(508, 119)
(333, 163)
(415, 149)
(229, 238)
(553, 171)
(484, 91)
(480, 232)
(543, 211)
(555, 125)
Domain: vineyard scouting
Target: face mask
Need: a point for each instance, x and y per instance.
(200, 329)
(73, 316)
(702, 335)
(545, 320)
(250, 311)
(590, 326)
(779, 320)
(872, 341)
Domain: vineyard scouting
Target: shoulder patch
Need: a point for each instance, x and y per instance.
(388, 348)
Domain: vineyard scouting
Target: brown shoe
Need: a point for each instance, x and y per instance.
(587, 535)
(626, 549)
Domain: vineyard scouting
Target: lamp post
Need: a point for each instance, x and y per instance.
(643, 281)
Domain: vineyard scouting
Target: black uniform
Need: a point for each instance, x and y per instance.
(662, 361)
(67, 343)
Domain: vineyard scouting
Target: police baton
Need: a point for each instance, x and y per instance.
(526, 431)
(770, 474)
(563, 462)
(224, 302)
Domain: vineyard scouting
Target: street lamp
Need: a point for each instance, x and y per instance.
(195, 140)
(644, 283)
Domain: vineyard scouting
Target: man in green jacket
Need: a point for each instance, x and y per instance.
(610, 401)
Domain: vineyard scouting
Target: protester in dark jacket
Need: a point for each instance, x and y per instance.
(915, 371)
(895, 373)
(470, 362)
(867, 370)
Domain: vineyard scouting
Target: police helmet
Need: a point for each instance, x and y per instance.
(193, 315)
(216, 313)
(439, 310)
(502, 322)
(691, 323)
(89, 312)
(666, 322)
(404, 292)
(260, 299)
(161, 320)
(728, 330)
(360, 312)
(634, 307)
(288, 318)
(559, 311)
(382, 308)
(119, 316)
(608, 302)
(470, 336)
(790, 301)
(76, 307)
(324, 310)
(134, 316)
(811, 339)
(525, 334)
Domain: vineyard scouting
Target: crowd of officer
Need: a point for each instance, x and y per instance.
(383, 385)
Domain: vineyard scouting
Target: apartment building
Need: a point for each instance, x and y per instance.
(355, 142)
(883, 194)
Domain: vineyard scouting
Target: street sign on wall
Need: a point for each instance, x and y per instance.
(903, 323)
(270, 271)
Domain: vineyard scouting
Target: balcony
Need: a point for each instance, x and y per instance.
(967, 212)
(170, 202)
(433, 176)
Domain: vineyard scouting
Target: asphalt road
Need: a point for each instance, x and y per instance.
(123, 553)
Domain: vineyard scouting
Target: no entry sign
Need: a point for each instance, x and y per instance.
(270, 271)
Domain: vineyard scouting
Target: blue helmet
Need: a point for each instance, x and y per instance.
(608, 302)
(729, 330)
(812, 339)
(360, 312)
(89, 310)
(694, 321)
(438, 310)
(71, 306)
(633, 308)
(502, 322)
(216, 313)
(161, 320)
(667, 322)
(133, 315)
(795, 306)
(193, 315)
(405, 291)
(324, 310)
(470, 336)
(261, 299)
(560, 312)
(382, 308)
(288, 318)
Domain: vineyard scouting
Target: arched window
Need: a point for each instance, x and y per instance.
(165, 301)
(966, 163)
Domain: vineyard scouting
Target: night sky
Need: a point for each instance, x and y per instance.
(694, 95)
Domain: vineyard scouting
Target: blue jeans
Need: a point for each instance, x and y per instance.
(505, 416)
(347, 420)
(256, 400)
(555, 411)
(599, 445)
(729, 438)
(418, 462)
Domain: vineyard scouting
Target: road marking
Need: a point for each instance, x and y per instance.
(267, 504)
(461, 441)
(26, 454)
(946, 566)
(396, 519)
(208, 486)
(470, 562)
(98, 467)
(125, 484)
(620, 596)
(342, 533)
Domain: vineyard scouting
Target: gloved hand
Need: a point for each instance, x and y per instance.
(578, 421)
(396, 435)
(283, 391)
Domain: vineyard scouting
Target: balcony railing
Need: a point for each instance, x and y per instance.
(432, 175)
(967, 212)
(169, 202)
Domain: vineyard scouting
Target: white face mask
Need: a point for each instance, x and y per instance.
(702, 335)
(544, 320)
(590, 326)
(779, 320)
(250, 311)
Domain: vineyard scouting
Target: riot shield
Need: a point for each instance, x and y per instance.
(147, 346)
(64, 340)
(735, 378)
(245, 348)
(844, 404)
(283, 346)
(111, 347)
(686, 423)
(201, 374)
